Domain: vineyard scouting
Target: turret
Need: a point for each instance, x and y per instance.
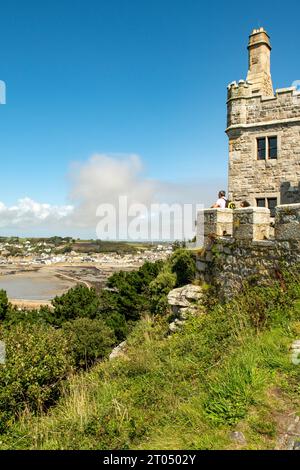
(259, 74)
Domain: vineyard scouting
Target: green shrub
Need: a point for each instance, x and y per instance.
(159, 289)
(37, 360)
(89, 340)
(184, 266)
(108, 311)
(79, 301)
(43, 315)
(117, 322)
(131, 295)
(4, 305)
(264, 306)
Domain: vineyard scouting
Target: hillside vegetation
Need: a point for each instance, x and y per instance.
(228, 369)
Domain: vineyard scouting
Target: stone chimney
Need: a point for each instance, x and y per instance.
(259, 74)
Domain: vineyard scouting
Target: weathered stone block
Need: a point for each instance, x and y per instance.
(251, 223)
(216, 222)
(287, 222)
(201, 266)
(200, 229)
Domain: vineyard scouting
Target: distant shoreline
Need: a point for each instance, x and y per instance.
(71, 279)
(56, 279)
(26, 304)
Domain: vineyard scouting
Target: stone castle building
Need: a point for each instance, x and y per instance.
(263, 128)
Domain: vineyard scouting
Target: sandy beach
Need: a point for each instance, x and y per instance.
(30, 304)
(34, 287)
(31, 287)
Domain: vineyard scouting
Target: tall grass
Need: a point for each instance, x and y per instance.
(185, 391)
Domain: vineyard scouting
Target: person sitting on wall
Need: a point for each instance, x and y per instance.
(221, 202)
(245, 204)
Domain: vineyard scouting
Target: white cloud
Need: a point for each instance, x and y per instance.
(102, 179)
(28, 212)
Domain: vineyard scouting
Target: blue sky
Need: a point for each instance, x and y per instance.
(122, 77)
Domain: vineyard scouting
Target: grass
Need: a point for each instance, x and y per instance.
(227, 370)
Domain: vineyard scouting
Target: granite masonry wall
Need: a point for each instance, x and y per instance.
(252, 117)
(255, 111)
(246, 250)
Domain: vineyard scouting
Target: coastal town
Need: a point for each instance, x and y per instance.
(34, 271)
(31, 253)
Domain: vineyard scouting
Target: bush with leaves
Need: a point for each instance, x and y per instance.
(183, 265)
(117, 322)
(80, 301)
(89, 340)
(131, 294)
(37, 360)
(4, 305)
(44, 315)
(159, 289)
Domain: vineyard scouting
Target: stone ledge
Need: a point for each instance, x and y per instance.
(285, 90)
(264, 243)
(263, 123)
(284, 207)
(261, 97)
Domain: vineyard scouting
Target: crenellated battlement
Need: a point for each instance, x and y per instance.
(252, 102)
(250, 223)
(245, 109)
(238, 246)
(237, 90)
(243, 89)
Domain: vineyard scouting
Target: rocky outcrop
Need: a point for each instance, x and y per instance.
(238, 437)
(295, 354)
(289, 438)
(118, 351)
(184, 301)
(185, 298)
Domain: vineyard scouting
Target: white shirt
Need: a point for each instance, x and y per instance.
(221, 203)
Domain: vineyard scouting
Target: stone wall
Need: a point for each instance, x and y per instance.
(254, 111)
(250, 253)
(289, 194)
(251, 117)
(246, 110)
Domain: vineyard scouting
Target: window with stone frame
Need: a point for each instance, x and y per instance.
(272, 203)
(267, 148)
(272, 147)
(261, 148)
(261, 202)
(269, 202)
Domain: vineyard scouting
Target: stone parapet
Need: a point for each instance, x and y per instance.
(287, 222)
(251, 223)
(238, 90)
(247, 110)
(217, 222)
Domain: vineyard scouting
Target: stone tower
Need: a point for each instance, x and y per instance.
(259, 73)
(263, 128)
